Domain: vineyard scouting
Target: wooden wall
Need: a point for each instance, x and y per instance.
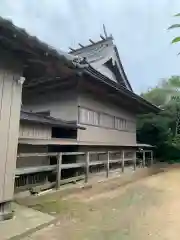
(10, 103)
(98, 134)
(35, 131)
(61, 105)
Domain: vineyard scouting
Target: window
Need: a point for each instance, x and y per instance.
(120, 124)
(88, 116)
(106, 120)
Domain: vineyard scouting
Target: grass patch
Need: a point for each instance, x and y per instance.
(51, 206)
(51, 203)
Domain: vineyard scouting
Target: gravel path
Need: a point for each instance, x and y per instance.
(148, 209)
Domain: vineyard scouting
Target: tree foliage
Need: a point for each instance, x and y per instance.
(160, 95)
(175, 26)
(162, 130)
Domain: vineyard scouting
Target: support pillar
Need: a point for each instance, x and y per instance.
(59, 170)
(134, 160)
(87, 167)
(152, 160)
(107, 166)
(144, 159)
(122, 166)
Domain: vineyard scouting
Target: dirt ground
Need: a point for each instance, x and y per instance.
(146, 209)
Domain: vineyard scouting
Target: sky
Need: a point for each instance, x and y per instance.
(139, 29)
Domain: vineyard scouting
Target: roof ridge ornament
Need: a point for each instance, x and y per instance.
(105, 32)
(80, 62)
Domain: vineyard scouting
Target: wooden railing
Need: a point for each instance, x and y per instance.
(30, 176)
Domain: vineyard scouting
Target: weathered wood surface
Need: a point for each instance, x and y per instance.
(37, 169)
(73, 179)
(37, 155)
(94, 163)
(144, 159)
(122, 163)
(87, 167)
(59, 168)
(73, 153)
(72, 165)
(34, 131)
(134, 161)
(10, 98)
(152, 160)
(107, 166)
(86, 164)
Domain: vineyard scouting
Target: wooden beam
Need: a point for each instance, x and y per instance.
(134, 160)
(105, 32)
(152, 160)
(58, 175)
(87, 167)
(144, 159)
(73, 179)
(69, 82)
(36, 155)
(81, 45)
(91, 41)
(115, 160)
(115, 152)
(37, 169)
(101, 36)
(107, 166)
(97, 152)
(72, 165)
(128, 159)
(122, 164)
(72, 49)
(73, 153)
(94, 163)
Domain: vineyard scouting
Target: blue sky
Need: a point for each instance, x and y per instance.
(139, 28)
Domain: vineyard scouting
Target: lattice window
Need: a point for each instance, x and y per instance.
(89, 117)
(120, 123)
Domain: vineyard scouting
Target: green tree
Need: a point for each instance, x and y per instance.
(162, 93)
(162, 130)
(175, 26)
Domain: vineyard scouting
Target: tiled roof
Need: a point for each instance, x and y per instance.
(47, 120)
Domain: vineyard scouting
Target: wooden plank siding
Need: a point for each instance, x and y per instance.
(10, 103)
(104, 133)
(34, 131)
(67, 104)
(61, 104)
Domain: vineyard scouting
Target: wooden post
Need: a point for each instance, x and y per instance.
(144, 159)
(87, 167)
(107, 167)
(134, 160)
(122, 161)
(59, 163)
(152, 158)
